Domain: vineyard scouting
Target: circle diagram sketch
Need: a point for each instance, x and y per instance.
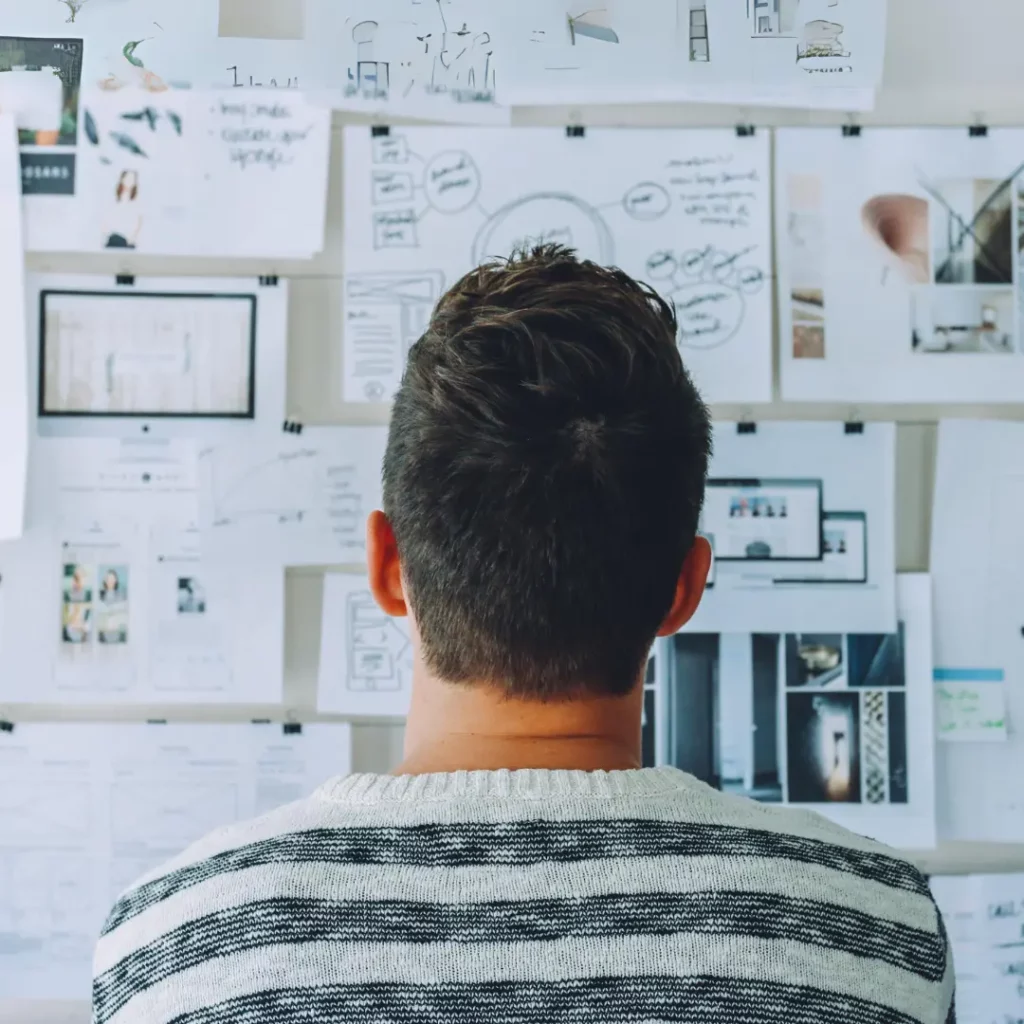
(545, 217)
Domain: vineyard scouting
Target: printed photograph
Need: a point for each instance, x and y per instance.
(823, 747)
(964, 320)
(898, 224)
(191, 596)
(876, 660)
(834, 541)
(799, 718)
(77, 586)
(40, 81)
(806, 235)
(112, 607)
(972, 231)
(815, 659)
(76, 622)
(723, 711)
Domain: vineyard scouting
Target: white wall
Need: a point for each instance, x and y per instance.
(948, 62)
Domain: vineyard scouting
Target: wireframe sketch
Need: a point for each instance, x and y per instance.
(379, 656)
(772, 18)
(700, 45)
(433, 206)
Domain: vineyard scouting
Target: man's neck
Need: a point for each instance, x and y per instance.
(474, 727)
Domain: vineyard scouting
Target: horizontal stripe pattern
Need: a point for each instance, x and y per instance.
(271, 922)
(625, 1000)
(625, 901)
(521, 843)
(480, 883)
(730, 957)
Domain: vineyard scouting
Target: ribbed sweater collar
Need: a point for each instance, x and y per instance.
(524, 784)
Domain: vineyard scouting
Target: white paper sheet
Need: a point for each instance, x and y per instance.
(291, 499)
(115, 611)
(763, 499)
(366, 657)
(170, 625)
(977, 550)
(984, 917)
(88, 809)
(685, 210)
(793, 53)
(157, 356)
(898, 265)
(13, 343)
(440, 61)
(837, 723)
(239, 172)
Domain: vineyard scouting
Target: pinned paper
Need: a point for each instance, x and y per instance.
(970, 705)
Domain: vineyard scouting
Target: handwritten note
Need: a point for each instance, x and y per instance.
(969, 710)
(716, 190)
(265, 161)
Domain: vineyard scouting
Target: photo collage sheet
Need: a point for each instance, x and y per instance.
(806, 672)
(899, 263)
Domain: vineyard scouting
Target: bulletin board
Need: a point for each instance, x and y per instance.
(946, 64)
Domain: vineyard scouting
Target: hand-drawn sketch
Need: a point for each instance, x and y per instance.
(821, 38)
(592, 24)
(772, 18)
(428, 56)
(707, 290)
(379, 652)
(434, 204)
(700, 47)
(289, 479)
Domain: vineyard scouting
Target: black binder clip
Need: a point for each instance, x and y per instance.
(746, 428)
(292, 728)
(268, 281)
(978, 131)
(851, 131)
(6, 727)
(380, 131)
(745, 131)
(575, 131)
(291, 427)
(125, 279)
(853, 427)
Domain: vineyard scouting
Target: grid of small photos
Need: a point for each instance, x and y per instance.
(793, 718)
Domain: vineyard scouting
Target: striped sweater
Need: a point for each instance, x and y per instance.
(527, 897)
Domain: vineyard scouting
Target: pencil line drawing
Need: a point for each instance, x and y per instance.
(821, 38)
(442, 203)
(700, 47)
(272, 489)
(379, 655)
(440, 59)
(707, 287)
(592, 24)
(772, 19)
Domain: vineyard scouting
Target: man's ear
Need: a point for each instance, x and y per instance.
(689, 588)
(384, 566)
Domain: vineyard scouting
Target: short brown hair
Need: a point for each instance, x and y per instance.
(544, 475)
